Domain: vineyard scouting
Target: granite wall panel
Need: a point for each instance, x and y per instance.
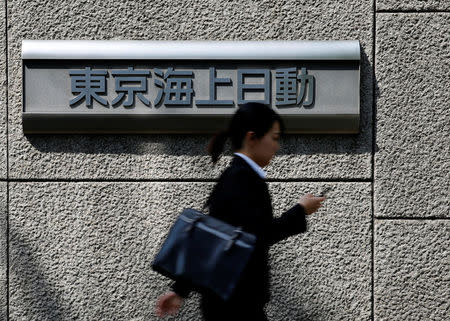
(174, 156)
(412, 270)
(3, 94)
(324, 274)
(412, 177)
(419, 5)
(83, 251)
(3, 250)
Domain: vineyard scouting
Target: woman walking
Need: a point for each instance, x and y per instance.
(241, 198)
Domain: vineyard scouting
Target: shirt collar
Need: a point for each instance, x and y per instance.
(253, 165)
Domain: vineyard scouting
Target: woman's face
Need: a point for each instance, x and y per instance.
(265, 148)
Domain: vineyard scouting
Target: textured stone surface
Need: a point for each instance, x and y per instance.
(331, 156)
(412, 270)
(3, 230)
(325, 273)
(3, 91)
(413, 5)
(412, 176)
(3, 250)
(3, 301)
(83, 251)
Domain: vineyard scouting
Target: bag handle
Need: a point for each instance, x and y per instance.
(191, 226)
(237, 233)
(231, 241)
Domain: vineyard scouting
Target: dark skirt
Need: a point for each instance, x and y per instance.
(215, 309)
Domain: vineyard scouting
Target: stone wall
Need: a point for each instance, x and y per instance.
(83, 215)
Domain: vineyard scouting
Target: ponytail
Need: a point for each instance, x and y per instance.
(216, 144)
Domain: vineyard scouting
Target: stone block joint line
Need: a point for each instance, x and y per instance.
(412, 11)
(184, 180)
(402, 218)
(372, 246)
(7, 155)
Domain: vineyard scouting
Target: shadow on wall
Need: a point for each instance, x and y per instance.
(288, 304)
(295, 310)
(32, 297)
(194, 145)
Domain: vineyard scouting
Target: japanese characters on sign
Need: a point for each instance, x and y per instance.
(294, 88)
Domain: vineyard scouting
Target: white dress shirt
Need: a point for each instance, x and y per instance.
(253, 165)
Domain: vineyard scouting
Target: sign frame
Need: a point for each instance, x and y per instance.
(57, 51)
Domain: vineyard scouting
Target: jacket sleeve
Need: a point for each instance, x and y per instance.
(181, 288)
(292, 222)
(248, 203)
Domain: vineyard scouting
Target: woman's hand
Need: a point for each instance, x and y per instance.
(311, 203)
(169, 303)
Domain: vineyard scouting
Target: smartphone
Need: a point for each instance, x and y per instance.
(325, 191)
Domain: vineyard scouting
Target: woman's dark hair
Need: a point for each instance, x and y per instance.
(254, 117)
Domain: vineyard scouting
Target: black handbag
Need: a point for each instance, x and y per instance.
(205, 252)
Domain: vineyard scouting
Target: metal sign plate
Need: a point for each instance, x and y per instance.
(187, 87)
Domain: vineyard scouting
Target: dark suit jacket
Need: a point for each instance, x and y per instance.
(241, 198)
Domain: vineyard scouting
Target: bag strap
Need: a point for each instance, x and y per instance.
(237, 233)
(191, 226)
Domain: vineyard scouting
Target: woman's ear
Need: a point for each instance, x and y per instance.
(251, 136)
(249, 139)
